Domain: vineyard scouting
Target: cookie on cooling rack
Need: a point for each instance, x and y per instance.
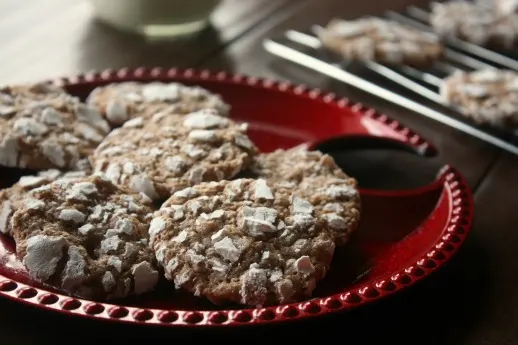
(485, 96)
(333, 194)
(11, 198)
(380, 40)
(476, 24)
(159, 158)
(243, 241)
(87, 237)
(505, 7)
(120, 102)
(42, 127)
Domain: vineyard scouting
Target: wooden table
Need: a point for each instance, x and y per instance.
(473, 300)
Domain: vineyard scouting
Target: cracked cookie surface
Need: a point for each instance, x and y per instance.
(316, 176)
(243, 241)
(476, 24)
(11, 198)
(380, 40)
(120, 102)
(87, 237)
(160, 157)
(485, 96)
(42, 127)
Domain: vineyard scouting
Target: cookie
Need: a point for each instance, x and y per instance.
(87, 237)
(485, 96)
(474, 23)
(42, 127)
(380, 40)
(506, 7)
(243, 241)
(30, 94)
(291, 166)
(336, 201)
(159, 158)
(333, 194)
(120, 102)
(11, 198)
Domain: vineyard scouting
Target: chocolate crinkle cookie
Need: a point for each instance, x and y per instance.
(474, 23)
(380, 40)
(487, 96)
(333, 194)
(87, 237)
(42, 127)
(120, 102)
(243, 241)
(12, 197)
(291, 166)
(174, 152)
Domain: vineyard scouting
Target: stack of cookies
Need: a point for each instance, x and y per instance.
(150, 180)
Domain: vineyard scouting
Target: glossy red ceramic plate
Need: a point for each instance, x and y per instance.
(404, 235)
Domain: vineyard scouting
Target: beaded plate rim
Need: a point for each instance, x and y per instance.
(442, 251)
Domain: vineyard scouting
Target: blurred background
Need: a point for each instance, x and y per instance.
(42, 39)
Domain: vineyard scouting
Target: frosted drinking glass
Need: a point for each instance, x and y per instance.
(156, 18)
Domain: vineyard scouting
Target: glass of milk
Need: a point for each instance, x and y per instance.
(156, 18)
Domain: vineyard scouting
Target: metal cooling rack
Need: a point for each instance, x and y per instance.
(305, 49)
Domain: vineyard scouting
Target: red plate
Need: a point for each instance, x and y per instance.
(404, 235)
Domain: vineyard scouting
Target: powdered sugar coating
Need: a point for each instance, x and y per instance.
(325, 188)
(83, 238)
(42, 127)
(171, 158)
(224, 241)
(381, 40)
(10, 198)
(474, 23)
(120, 102)
(43, 255)
(336, 201)
(485, 96)
(289, 167)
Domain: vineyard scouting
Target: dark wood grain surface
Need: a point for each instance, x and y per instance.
(473, 300)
